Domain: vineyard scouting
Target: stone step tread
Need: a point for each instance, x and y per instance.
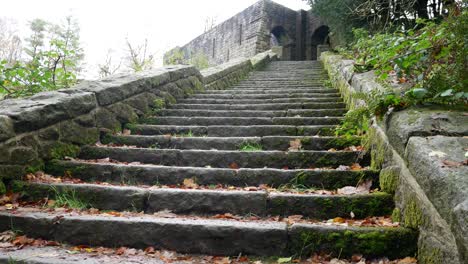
(261, 106)
(241, 121)
(261, 101)
(253, 113)
(266, 96)
(225, 158)
(103, 171)
(232, 131)
(268, 91)
(212, 236)
(209, 202)
(231, 143)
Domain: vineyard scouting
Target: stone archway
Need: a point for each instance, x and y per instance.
(319, 37)
(281, 42)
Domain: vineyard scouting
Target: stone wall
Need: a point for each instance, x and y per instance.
(227, 74)
(249, 33)
(421, 152)
(53, 125)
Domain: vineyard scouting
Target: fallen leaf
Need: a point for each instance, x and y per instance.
(356, 167)
(234, 166)
(150, 250)
(295, 145)
(120, 250)
(452, 164)
(365, 186)
(407, 260)
(284, 260)
(339, 220)
(438, 154)
(126, 132)
(189, 183)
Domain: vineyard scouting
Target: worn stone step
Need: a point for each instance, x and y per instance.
(224, 158)
(230, 143)
(242, 121)
(213, 236)
(271, 106)
(233, 131)
(174, 175)
(210, 202)
(261, 101)
(331, 94)
(267, 91)
(253, 113)
(276, 87)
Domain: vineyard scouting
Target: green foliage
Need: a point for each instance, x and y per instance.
(52, 63)
(356, 122)
(68, 198)
(174, 57)
(200, 61)
(430, 59)
(250, 146)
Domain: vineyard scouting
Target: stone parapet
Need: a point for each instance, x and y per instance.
(422, 154)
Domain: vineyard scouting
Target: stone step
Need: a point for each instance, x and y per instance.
(253, 113)
(174, 175)
(242, 121)
(213, 236)
(225, 158)
(233, 131)
(277, 87)
(210, 202)
(261, 101)
(261, 107)
(331, 94)
(230, 143)
(268, 91)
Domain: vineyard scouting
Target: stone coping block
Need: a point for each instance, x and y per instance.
(439, 165)
(423, 121)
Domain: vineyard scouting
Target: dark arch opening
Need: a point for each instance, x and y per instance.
(280, 38)
(319, 37)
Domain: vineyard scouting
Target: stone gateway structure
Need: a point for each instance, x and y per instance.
(266, 25)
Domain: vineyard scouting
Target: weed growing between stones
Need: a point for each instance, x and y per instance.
(250, 146)
(67, 198)
(188, 134)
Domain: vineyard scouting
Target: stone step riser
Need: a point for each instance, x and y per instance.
(260, 107)
(234, 131)
(230, 143)
(270, 91)
(265, 96)
(243, 121)
(225, 159)
(172, 175)
(277, 87)
(210, 202)
(250, 113)
(214, 237)
(261, 101)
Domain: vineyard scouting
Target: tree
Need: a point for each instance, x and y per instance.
(52, 62)
(138, 58)
(108, 68)
(10, 43)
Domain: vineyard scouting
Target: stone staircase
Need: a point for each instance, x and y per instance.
(218, 172)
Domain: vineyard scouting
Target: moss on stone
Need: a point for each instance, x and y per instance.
(412, 214)
(343, 142)
(373, 243)
(35, 166)
(396, 215)
(377, 147)
(389, 178)
(2, 187)
(62, 150)
(430, 255)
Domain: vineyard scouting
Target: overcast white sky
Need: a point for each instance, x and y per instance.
(106, 23)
